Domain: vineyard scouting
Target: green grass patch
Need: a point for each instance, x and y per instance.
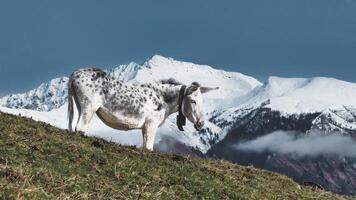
(39, 161)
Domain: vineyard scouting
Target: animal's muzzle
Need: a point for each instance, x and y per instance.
(199, 125)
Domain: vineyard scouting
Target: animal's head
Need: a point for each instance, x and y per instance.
(192, 104)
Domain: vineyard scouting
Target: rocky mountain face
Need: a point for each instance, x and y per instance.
(262, 115)
(242, 110)
(334, 173)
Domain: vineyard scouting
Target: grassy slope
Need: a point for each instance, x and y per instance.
(40, 161)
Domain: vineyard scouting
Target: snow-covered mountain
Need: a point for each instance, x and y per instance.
(47, 96)
(332, 101)
(301, 95)
(233, 85)
(305, 106)
(51, 97)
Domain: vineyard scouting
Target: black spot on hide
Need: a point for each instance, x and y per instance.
(159, 107)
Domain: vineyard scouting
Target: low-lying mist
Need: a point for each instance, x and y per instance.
(301, 145)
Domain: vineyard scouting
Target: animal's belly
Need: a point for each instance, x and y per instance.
(119, 122)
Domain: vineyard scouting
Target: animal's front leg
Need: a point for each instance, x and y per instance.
(149, 133)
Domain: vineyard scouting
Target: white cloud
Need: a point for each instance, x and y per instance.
(283, 142)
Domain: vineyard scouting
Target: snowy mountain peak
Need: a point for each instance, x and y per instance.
(47, 96)
(279, 86)
(158, 59)
(303, 95)
(283, 85)
(166, 63)
(125, 72)
(232, 85)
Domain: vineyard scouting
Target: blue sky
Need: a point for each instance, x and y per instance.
(40, 40)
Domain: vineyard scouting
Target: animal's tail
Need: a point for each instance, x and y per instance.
(70, 113)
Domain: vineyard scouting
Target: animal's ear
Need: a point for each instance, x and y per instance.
(207, 89)
(192, 89)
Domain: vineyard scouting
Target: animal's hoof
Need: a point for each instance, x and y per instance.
(79, 133)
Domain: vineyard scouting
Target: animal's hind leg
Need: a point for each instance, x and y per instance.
(84, 119)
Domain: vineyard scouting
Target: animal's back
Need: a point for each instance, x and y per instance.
(90, 79)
